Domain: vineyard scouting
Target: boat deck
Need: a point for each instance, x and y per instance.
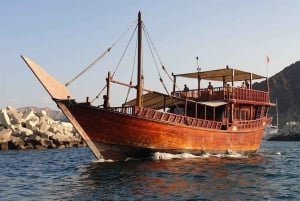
(225, 93)
(156, 115)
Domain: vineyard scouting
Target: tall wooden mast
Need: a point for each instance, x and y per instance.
(140, 63)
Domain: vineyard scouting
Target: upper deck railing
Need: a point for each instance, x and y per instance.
(225, 93)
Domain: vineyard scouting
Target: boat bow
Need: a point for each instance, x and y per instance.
(58, 91)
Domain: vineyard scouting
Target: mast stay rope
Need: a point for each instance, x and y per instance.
(100, 57)
(152, 47)
(132, 71)
(116, 68)
(161, 63)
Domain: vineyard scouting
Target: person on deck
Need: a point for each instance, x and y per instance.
(210, 86)
(105, 102)
(243, 85)
(186, 88)
(247, 84)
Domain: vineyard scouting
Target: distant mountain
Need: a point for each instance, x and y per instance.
(54, 114)
(285, 86)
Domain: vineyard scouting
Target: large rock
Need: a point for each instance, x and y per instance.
(26, 131)
(15, 116)
(19, 131)
(33, 138)
(45, 143)
(56, 127)
(4, 118)
(32, 122)
(29, 115)
(2, 127)
(29, 130)
(16, 143)
(46, 134)
(61, 138)
(5, 135)
(43, 113)
(43, 126)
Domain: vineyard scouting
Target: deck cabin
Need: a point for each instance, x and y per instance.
(231, 101)
(222, 107)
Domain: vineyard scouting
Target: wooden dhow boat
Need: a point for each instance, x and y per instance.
(213, 120)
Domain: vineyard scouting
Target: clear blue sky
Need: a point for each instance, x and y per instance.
(65, 36)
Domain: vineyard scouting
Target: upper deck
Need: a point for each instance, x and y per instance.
(235, 94)
(228, 78)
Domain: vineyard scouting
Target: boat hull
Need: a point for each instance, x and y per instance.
(119, 136)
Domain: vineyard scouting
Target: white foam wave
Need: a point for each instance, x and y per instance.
(231, 154)
(169, 156)
(104, 161)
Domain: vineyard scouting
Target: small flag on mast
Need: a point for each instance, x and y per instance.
(268, 59)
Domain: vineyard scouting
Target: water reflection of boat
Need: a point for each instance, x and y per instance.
(211, 178)
(199, 120)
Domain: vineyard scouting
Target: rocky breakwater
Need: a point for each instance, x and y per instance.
(289, 132)
(30, 130)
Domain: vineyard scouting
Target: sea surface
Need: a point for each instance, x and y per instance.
(74, 174)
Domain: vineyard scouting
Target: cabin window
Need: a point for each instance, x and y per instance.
(220, 113)
(201, 111)
(237, 113)
(259, 112)
(263, 111)
(210, 113)
(241, 114)
(245, 114)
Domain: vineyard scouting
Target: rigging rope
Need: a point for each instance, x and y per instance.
(152, 48)
(99, 94)
(92, 64)
(151, 45)
(101, 56)
(163, 67)
(123, 54)
(132, 71)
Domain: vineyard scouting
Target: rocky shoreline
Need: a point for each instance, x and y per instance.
(35, 130)
(289, 132)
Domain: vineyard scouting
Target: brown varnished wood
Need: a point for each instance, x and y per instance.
(114, 128)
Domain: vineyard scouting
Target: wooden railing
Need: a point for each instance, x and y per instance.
(176, 119)
(156, 115)
(130, 110)
(152, 114)
(225, 93)
(249, 124)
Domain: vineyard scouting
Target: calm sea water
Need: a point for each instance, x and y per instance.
(73, 174)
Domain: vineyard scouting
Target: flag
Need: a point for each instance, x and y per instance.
(268, 59)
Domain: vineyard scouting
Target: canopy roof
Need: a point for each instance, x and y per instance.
(156, 100)
(223, 74)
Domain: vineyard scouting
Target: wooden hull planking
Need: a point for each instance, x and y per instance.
(119, 136)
